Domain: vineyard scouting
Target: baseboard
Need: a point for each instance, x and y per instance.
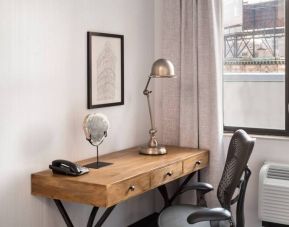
(270, 224)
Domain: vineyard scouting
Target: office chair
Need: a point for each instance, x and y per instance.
(235, 176)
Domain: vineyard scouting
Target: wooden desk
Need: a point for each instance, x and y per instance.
(131, 174)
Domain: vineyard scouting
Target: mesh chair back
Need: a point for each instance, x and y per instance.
(240, 149)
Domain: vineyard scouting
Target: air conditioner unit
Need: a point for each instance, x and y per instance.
(274, 193)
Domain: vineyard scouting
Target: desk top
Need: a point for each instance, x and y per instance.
(129, 175)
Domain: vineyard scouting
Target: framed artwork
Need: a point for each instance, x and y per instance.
(105, 73)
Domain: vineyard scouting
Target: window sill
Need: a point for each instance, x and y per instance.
(266, 137)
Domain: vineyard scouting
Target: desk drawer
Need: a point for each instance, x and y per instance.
(195, 163)
(166, 174)
(128, 188)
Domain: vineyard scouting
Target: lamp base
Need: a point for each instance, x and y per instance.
(159, 150)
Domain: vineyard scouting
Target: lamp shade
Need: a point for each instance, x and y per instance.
(162, 68)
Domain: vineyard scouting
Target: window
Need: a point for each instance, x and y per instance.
(255, 76)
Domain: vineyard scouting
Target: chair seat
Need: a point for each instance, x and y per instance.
(176, 216)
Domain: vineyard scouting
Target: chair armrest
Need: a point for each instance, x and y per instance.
(201, 187)
(209, 214)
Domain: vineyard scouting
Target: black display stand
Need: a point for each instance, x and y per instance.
(97, 164)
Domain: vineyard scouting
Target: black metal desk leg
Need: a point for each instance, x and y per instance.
(164, 192)
(63, 213)
(185, 182)
(92, 216)
(104, 216)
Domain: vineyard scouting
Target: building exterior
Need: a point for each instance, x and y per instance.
(257, 44)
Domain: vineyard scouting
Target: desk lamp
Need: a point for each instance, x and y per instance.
(162, 68)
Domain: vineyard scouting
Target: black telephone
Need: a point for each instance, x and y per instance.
(67, 168)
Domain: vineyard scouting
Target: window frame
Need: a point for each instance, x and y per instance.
(265, 131)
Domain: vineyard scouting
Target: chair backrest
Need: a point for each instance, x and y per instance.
(239, 152)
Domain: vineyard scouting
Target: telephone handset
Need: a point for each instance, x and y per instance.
(68, 168)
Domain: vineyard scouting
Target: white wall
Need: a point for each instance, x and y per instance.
(266, 149)
(43, 98)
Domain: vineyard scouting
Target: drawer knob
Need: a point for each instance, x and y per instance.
(198, 162)
(170, 173)
(131, 188)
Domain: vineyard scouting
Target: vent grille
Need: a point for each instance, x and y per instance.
(274, 193)
(278, 173)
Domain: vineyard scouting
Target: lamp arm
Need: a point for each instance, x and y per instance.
(146, 87)
(147, 93)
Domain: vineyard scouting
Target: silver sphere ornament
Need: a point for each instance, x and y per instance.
(95, 127)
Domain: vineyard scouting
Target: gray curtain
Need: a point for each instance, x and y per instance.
(189, 109)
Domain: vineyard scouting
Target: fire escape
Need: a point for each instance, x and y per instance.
(263, 29)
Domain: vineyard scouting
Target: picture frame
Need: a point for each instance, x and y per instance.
(105, 70)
